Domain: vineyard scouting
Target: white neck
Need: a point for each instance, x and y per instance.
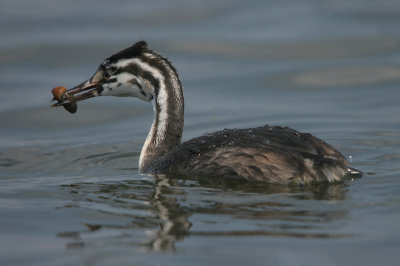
(167, 127)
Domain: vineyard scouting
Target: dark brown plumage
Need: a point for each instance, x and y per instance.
(271, 154)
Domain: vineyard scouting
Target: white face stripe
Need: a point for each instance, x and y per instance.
(126, 84)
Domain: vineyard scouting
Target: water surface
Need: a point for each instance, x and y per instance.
(70, 191)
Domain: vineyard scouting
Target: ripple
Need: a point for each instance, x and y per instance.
(347, 76)
(274, 234)
(156, 213)
(115, 159)
(292, 50)
(341, 76)
(69, 161)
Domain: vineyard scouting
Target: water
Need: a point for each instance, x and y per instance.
(70, 191)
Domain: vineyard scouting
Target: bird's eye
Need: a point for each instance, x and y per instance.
(106, 74)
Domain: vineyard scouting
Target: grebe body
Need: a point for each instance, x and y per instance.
(270, 154)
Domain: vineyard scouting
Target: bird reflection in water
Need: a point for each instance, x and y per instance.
(155, 213)
(175, 222)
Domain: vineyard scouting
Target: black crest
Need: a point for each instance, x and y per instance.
(135, 50)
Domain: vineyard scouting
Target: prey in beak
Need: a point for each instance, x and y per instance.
(123, 74)
(69, 98)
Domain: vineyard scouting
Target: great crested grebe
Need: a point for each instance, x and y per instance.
(270, 154)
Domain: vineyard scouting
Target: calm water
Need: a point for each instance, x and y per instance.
(70, 192)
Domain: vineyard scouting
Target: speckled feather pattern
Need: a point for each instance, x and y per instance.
(269, 154)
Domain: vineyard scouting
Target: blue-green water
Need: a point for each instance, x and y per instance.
(70, 192)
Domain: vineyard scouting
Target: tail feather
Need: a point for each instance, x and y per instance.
(354, 172)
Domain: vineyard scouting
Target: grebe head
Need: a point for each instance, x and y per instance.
(130, 72)
(142, 73)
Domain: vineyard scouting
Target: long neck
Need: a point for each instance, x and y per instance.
(167, 127)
